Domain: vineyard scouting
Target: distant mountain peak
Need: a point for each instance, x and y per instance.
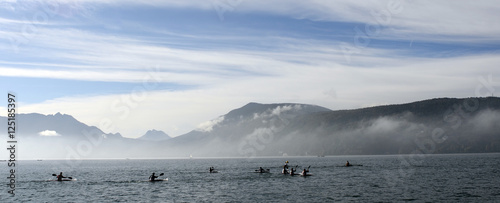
(252, 109)
(155, 135)
(62, 116)
(59, 114)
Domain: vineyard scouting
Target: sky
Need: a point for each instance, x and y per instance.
(130, 66)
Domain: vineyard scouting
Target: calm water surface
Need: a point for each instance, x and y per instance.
(430, 178)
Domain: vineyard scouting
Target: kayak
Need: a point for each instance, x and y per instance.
(305, 175)
(74, 179)
(214, 171)
(285, 171)
(264, 171)
(351, 165)
(156, 180)
(261, 172)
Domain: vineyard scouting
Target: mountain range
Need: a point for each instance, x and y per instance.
(444, 125)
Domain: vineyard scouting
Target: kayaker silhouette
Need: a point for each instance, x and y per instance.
(304, 172)
(60, 177)
(153, 177)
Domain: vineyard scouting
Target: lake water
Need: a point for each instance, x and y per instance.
(429, 178)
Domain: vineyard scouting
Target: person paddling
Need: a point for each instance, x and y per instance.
(285, 168)
(284, 171)
(304, 172)
(292, 171)
(60, 177)
(211, 169)
(153, 177)
(347, 164)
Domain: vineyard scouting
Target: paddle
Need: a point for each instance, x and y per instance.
(65, 177)
(157, 176)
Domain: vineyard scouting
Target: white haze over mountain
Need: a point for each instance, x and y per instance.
(207, 126)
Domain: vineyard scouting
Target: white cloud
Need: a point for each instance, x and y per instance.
(208, 126)
(485, 120)
(84, 55)
(460, 18)
(48, 133)
(123, 59)
(413, 18)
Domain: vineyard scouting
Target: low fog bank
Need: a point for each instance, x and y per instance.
(400, 129)
(398, 135)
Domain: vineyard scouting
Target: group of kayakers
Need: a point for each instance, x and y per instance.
(293, 170)
(285, 170)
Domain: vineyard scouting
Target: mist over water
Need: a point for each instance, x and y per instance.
(431, 178)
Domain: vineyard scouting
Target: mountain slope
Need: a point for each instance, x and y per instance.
(219, 137)
(448, 125)
(444, 125)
